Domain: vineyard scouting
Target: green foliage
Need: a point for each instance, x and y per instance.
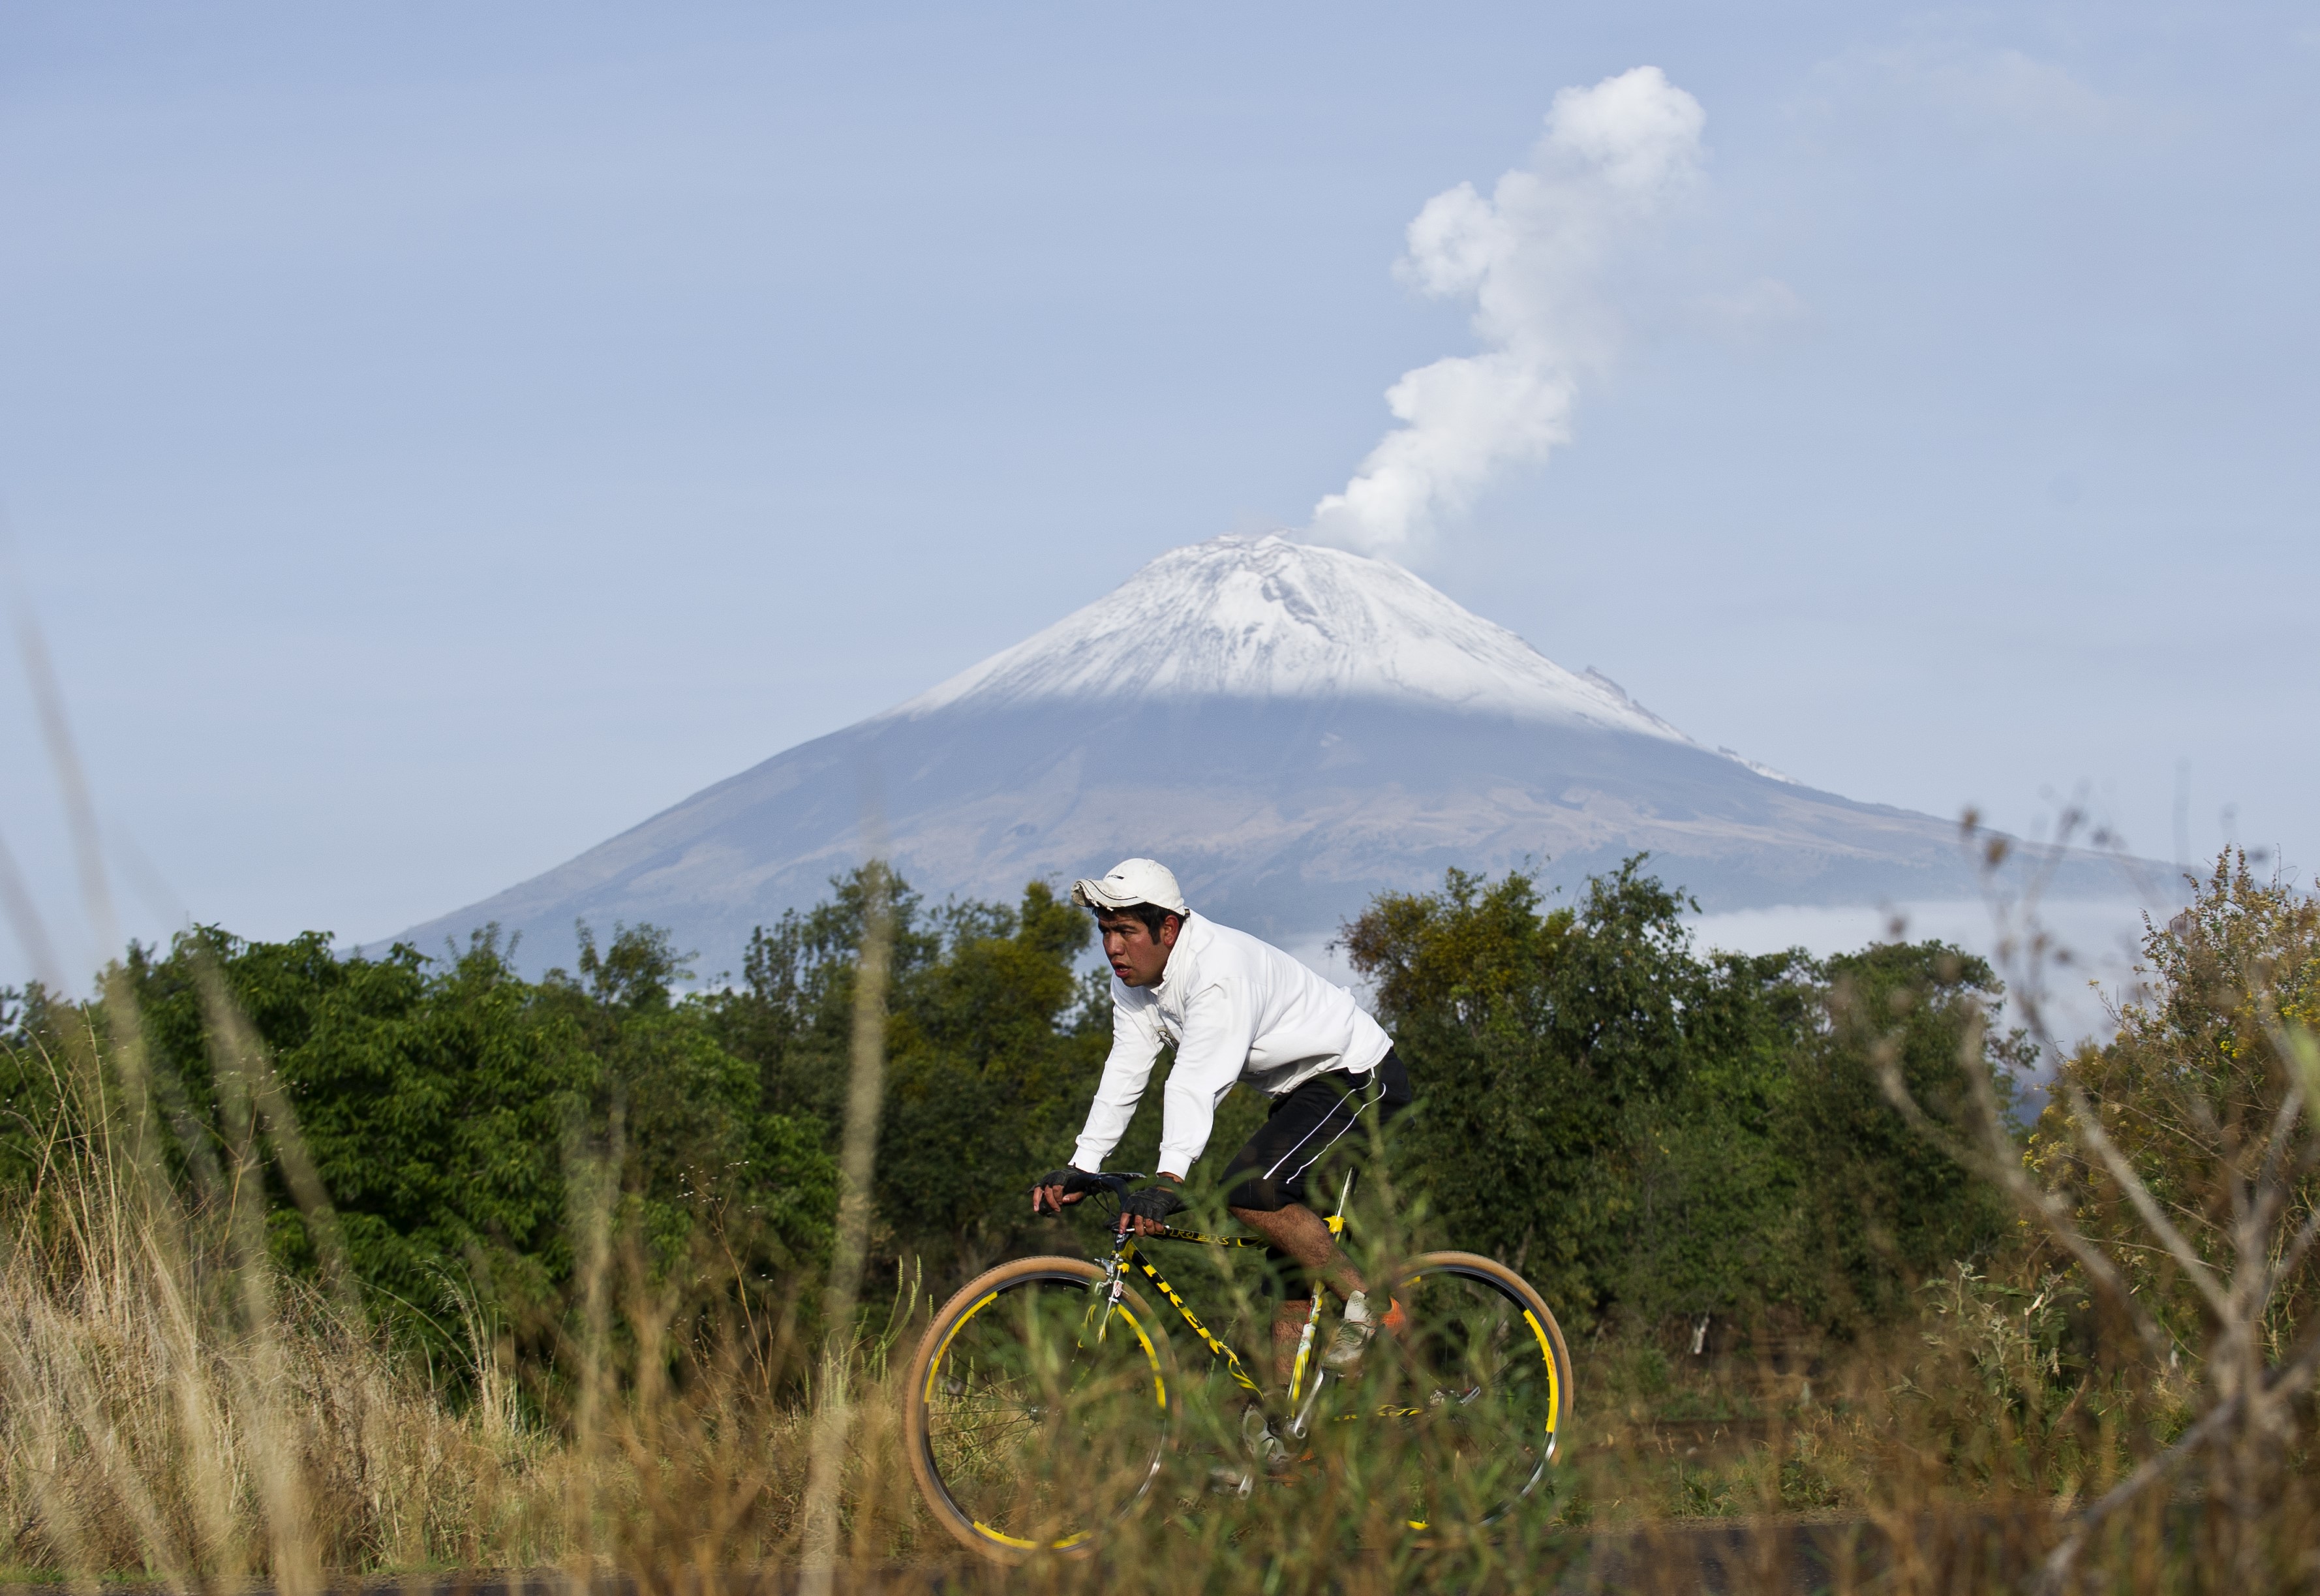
(1721, 1166)
(31, 1091)
(443, 1104)
(1887, 1210)
(2197, 1091)
(699, 1147)
(434, 1103)
(1535, 1042)
(993, 1039)
(1645, 1132)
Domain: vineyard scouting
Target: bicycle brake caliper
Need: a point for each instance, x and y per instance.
(1115, 1286)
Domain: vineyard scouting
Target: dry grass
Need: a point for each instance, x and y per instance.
(171, 1406)
(172, 1413)
(149, 1427)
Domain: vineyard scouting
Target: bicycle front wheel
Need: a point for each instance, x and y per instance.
(1037, 1411)
(1457, 1414)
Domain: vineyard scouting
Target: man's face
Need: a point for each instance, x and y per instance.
(1137, 958)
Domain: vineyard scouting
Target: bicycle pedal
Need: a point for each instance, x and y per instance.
(1230, 1482)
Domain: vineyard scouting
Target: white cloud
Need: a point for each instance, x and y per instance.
(1533, 258)
(2004, 92)
(1761, 310)
(2015, 87)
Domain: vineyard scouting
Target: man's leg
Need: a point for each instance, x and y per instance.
(1304, 1235)
(1265, 1182)
(1288, 1324)
(1296, 1231)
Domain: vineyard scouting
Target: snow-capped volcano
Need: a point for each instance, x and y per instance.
(1270, 619)
(1292, 729)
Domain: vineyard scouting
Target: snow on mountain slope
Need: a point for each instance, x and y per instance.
(1269, 618)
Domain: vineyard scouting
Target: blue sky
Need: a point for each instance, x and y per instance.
(436, 438)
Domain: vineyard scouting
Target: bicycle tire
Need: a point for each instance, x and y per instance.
(1477, 1390)
(1025, 1433)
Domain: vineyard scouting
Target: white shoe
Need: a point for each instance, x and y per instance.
(1269, 1450)
(1352, 1338)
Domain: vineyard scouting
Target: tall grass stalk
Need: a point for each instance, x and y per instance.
(2222, 1201)
(173, 1410)
(866, 1093)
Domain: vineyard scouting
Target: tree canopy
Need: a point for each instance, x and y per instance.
(1644, 1129)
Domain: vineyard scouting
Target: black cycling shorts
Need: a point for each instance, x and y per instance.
(1331, 1116)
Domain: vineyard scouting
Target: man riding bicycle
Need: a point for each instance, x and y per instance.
(1236, 1009)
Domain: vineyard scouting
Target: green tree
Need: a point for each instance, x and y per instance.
(2198, 1091)
(1718, 1173)
(1884, 1210)
(1647, 1132)
(702, 1157)
(994, 1043)
(1543, 1048)
(441, 1102)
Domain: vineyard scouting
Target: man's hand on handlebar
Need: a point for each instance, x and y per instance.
(1146, 1210)
(1058, 1187)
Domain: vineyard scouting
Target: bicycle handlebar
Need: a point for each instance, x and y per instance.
(1114, 1183)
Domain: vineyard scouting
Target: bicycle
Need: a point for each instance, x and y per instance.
(1045, 1402)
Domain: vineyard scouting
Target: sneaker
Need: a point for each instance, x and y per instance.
(1269, 1450)
(1360, 1323)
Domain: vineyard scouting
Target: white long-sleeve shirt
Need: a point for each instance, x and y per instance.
(1237, 1010)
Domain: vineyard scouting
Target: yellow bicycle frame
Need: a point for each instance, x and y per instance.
(1124, 1252)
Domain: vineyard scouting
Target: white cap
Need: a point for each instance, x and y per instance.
(1132, 881)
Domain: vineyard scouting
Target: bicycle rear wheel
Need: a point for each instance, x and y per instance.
(1037, 1412)
(1455, 1418)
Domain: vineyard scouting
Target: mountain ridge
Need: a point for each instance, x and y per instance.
(1293, 728)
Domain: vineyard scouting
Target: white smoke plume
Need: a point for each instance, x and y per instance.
(1534, 257)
